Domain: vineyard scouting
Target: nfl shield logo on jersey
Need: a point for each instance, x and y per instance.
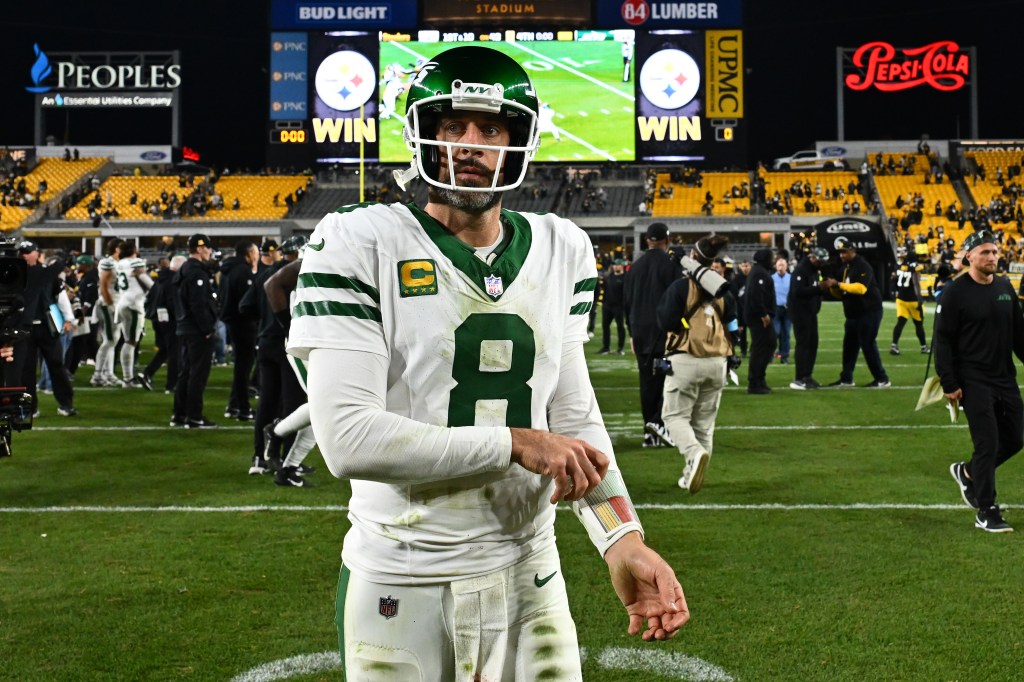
(493, 285)
(388, 607)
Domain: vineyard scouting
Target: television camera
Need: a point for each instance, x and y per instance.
(15, 401)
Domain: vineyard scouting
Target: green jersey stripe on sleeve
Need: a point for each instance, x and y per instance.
(581, 308)
(363, 312)
(588, 284)
(330, 281)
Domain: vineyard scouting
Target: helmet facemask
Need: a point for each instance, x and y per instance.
(420, 131)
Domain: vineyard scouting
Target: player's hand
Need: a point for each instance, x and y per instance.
(647, 587)
(575, 466)
(957, 395)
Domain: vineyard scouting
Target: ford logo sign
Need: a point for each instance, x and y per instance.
(833, 151)
(847, 227)
(152, 156)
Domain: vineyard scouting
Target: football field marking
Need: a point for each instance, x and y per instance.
(667, 664)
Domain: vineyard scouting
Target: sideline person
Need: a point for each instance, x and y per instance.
(862, 306)
(447, 380)
(700, 327)
(979, 328)
(805, 293)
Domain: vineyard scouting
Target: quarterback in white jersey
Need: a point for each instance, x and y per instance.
(447, 380)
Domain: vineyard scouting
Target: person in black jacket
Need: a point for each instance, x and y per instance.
(236, 277)
(862, 305)
(758, 312)
(651, 275)
(160, 311)
(805, 291)
(611, 306)
(195, 303)
(280, 391)
(979, 328)
(42, 287)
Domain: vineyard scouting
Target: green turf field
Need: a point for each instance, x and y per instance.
(582, 81)
(829, 543)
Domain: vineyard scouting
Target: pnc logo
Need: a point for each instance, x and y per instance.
(40, 70)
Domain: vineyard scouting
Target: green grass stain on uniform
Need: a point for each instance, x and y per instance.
(544, 630)
(550, 674)
(546, 651)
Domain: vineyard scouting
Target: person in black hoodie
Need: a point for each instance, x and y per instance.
(651, 275)
(611, 306)
(83, 346)
(160, 311)
(758, 311)
(862, 305)
(805, 291)
(738, 285)
(196, 308)
(280, 390)
(42, 287)
(236, 277)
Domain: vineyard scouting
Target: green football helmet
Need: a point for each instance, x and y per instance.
(477, 79)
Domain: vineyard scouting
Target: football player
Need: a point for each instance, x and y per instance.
(103, 317)
(132, 282)
(908, 301)
(447, 380)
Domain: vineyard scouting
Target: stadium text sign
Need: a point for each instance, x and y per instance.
(941, 65)
(105, 71)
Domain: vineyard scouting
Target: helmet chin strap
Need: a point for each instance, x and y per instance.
(402, 177)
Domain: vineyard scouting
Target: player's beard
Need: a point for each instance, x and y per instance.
(470, 202)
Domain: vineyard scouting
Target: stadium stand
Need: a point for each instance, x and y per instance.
(674, 197)
(260, 198)
(828, 191)
(897, 193)
(59, 176)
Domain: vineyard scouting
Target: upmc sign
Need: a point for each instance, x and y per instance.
(940, 65)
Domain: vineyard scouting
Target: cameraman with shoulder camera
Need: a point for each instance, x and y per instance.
(699, 314)
(42, 287)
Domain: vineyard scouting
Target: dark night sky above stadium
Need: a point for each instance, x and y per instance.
(789, 55)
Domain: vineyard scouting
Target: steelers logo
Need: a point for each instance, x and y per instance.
(345, 80)
(670, 79)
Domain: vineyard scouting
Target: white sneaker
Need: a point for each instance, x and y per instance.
(693, 474)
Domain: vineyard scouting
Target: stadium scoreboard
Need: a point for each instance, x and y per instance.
(619, 95)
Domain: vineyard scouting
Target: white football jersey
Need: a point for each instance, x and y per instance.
(130, 293)
(108, 264)
(468, 344)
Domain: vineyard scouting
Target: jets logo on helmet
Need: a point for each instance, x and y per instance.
(470, 78)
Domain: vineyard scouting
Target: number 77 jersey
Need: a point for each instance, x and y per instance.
(467, 343)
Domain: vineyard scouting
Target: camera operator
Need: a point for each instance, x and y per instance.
(701, 327)
(43, 286)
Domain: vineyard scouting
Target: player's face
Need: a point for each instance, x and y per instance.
(847, 255)
(781, 266)
(985, 259)
(472, 167)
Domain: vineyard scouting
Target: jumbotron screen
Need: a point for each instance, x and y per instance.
(582, 82)
(615, 96)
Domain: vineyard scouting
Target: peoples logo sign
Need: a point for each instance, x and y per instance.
(40, 70)
(940, 65)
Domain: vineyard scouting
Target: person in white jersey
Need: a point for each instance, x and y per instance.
(132, 282)
(103, 317)
(447, 381)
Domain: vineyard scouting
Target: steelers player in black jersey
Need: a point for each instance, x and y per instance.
(909, 304)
